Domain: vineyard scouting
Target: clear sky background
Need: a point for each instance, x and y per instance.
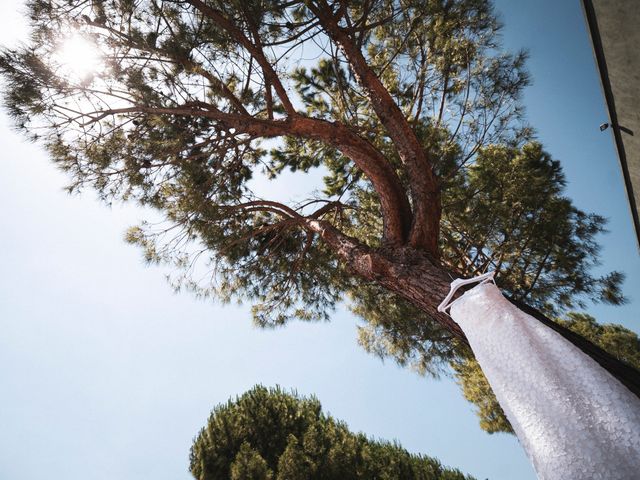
(106, 374)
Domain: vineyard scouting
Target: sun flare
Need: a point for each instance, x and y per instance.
(78, 57)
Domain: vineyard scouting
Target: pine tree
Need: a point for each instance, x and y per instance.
(249, 465)
(410, 112)
(293, 464)
(269, 433)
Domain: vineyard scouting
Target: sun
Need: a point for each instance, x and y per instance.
(78, 57)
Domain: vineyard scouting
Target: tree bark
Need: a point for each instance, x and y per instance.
(418, 278)
(408, 272)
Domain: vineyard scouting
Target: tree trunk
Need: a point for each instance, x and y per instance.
(413, 275)
(425, 284)
(418, 278)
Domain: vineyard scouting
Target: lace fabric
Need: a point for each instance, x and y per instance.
(574, 420)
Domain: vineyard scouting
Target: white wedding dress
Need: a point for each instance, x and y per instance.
(573, 418)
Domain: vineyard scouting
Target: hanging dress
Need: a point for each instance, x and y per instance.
(573, 418)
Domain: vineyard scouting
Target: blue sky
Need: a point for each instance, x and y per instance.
(105, 373)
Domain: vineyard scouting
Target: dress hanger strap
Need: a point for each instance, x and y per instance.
(458, 282)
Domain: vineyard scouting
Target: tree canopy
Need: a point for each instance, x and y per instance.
(269, 434)
(407, 112)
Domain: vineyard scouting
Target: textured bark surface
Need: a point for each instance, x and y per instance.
(405, 271)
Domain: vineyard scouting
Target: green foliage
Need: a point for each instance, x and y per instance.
(506, 213)
(268, 433)
(158, 124)
(249, 465)
(619, 341)
(395, 328)
(440, 60)
(509, 214)
(293, 464)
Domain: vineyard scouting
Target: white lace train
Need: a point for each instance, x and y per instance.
(573, 418)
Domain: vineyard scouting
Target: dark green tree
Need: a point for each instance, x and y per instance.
(409, 111)
(249, 465)
(271, 434)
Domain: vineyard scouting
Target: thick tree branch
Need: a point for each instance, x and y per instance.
(267, 206)
(425, 191)
(407, 273)
(395, 206)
